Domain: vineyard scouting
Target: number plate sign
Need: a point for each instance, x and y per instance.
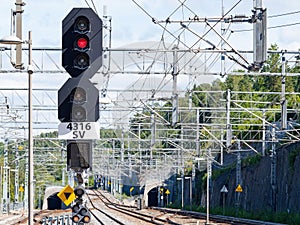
(79, 130)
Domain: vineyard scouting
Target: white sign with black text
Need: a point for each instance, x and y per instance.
(79, 130)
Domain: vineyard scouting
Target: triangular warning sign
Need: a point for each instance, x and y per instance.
(21, 189)
(224, 189)
(239, 188)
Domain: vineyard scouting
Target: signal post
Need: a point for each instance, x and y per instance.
(78, 98)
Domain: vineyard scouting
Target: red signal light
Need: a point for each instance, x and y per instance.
(82, 43)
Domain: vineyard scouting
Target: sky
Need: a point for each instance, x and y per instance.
(132, 22)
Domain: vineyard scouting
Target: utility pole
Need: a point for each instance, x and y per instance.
(30, 135)
(25, 200)
(259, 35)
(139, 147)
(122, 146)
(174, 92)
(223, 69)
(18, 13)
(153, 134)
(273, 171)
(5, 192)
(198, 137)
(238, 175)
(283, 101)
(16, 174)
(264, 133)
(221, 148)
(228, 125)
(208, 178)
(190, 91)
(182, 167)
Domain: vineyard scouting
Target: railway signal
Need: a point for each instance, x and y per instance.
(80, 213)
(78, 98)
(82, 43)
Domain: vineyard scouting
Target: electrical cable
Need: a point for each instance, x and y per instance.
(182, 3)
(284, 25)
(271, 27)
(276, 26)
(283, 14)
(186, 27)
(87, 3)
(94, 6)
(211, 28)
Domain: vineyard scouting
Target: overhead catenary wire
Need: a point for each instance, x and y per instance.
(94, 7)
(275, 26)
(184, 26)
(87, 3)
(270, 27)
(283, 14)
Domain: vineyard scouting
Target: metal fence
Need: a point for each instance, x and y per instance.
(62, 220)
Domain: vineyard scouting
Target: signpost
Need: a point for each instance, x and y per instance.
(224, 190)
(78, 100)
(167, 193)
(131, 190)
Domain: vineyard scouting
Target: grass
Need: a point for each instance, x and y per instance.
(280, 217)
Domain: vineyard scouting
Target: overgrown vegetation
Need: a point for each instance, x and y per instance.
(268, 216)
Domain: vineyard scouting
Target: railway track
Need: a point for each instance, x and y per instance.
(109, 212)
(129, 211)
(218, 218)
(156, 215)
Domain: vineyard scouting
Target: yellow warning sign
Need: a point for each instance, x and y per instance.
(67, 195)
(21, 189)
(239, 188)
(167, 192)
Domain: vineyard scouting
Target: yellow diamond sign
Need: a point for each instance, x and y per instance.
(167, 192)
(67, 195)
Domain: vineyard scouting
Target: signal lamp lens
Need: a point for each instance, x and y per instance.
(86, 219)
(78, 114)
(81, 61)
(78, 95)
(75, 208)
(75, 219)
(82, 24)
(82, 43)
(83, 211)
(79, 191)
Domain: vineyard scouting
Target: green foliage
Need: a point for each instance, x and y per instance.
(268, 216)
(252, 160)
(220, 172)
